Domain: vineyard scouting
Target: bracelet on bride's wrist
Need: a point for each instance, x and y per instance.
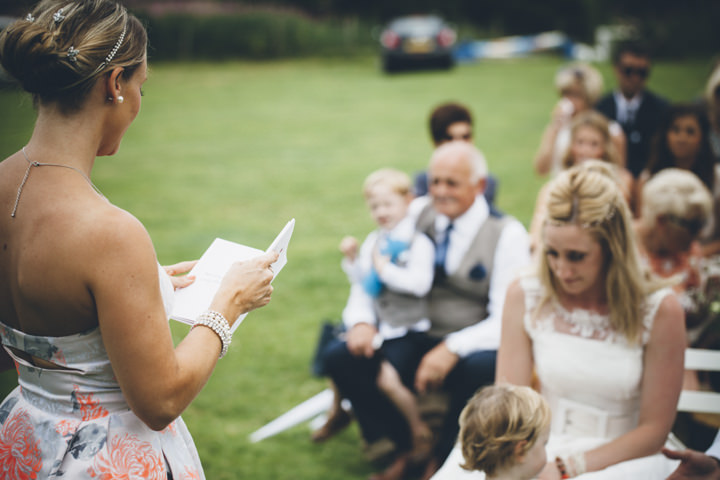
(561, 467)
(571, 465)
(216, 322)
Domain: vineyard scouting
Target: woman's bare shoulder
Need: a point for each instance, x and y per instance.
(107, 231)
(669, 322)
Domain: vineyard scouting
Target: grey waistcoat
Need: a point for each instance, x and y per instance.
(460, 299)
(400, 309)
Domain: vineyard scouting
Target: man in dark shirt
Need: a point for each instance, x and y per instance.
(632, 105)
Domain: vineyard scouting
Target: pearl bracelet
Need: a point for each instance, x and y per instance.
(218, 324)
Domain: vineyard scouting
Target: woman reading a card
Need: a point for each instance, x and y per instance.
(83, 302)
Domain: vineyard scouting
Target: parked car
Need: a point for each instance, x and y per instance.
(417, 40)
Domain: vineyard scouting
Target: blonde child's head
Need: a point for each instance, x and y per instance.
(388, 193)
(586, 127)
(397, 181)
(500, 425)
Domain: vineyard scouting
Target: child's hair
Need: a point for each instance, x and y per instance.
(598, 122)
(495, 419)
(399, 182)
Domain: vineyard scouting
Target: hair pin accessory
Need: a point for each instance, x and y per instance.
(30, 18)
(58, 16)
(72, 54)
(112, 53)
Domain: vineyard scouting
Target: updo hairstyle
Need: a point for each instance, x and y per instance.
(59, 50)
(495, 420)
(588, 196)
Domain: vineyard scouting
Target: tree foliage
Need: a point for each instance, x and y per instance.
(675, 29)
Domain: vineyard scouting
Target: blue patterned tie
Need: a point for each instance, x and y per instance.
(441, 252)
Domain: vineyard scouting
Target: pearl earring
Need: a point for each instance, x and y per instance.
(120, 99)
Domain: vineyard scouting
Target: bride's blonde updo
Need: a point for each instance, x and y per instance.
(60, 48)
(588, 196)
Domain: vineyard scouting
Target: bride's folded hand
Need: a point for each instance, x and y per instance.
(245, 287)
(178, 273)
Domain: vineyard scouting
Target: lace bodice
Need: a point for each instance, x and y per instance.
(554, 317)
(590, 373)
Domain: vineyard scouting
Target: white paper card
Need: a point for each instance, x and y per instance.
(209, 271)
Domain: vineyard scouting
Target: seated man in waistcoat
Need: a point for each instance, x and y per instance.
(478, 252)
(476, 258)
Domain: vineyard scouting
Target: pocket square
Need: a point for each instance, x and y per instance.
(478, 272)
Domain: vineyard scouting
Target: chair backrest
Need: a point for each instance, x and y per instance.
(700, 401)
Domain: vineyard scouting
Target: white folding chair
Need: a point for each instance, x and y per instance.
(695, 401)
(700, 401)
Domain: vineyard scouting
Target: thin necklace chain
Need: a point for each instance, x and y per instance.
(40, 164)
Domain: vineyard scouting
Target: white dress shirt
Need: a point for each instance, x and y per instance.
(511, 255)
(625, 106)
(415, 278)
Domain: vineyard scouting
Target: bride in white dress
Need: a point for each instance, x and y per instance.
(605, 342)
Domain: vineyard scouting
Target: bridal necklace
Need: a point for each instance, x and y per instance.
(41, 164)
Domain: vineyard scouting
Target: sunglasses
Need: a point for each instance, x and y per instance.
(640, 72)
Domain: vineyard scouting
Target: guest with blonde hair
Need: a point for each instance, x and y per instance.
(579, 86)
(503, 432)
(683, 141)
(590, 139)
(390, 275)
(676, 207)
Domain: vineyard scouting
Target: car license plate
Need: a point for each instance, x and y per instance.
(418, 45)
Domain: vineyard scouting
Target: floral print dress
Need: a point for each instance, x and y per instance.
(73, 422)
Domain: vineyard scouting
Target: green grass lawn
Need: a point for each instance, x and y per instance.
(237, 149)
